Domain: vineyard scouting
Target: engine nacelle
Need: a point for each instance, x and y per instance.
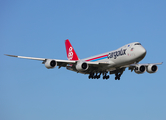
(50, 64)
(151, 68)
(140, 69)
(82, 66)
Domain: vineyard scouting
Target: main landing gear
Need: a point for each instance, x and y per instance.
(94, 76)
(105, 76)
(118, 73)
(117, 76)
(97, 75)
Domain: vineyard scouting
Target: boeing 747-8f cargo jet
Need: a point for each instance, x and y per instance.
(113, 62)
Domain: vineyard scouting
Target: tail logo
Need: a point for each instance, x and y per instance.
(70, 54)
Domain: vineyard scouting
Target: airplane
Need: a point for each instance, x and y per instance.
(113, 62)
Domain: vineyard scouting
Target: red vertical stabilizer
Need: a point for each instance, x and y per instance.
(71, 54)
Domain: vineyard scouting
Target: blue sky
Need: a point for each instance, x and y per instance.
(38, 28)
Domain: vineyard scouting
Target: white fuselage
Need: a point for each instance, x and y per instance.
(128, 54)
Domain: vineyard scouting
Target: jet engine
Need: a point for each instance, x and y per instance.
(151, 68)
(81, 66)
(139, 69)
(50, 64)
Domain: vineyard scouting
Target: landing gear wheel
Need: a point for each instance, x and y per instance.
(117, 76)
(107, 77)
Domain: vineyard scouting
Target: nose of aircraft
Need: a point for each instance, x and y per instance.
(142, 51)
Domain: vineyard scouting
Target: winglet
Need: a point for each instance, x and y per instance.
(71, 54)
(11, 55)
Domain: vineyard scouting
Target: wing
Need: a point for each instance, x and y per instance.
(133, 66)
(147, 64)
(60, 63)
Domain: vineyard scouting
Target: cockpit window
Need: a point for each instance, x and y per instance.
(137, 44)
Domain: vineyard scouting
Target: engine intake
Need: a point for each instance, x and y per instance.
(140, 69)
(151, 68)
(50, 64)
(82, 66)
